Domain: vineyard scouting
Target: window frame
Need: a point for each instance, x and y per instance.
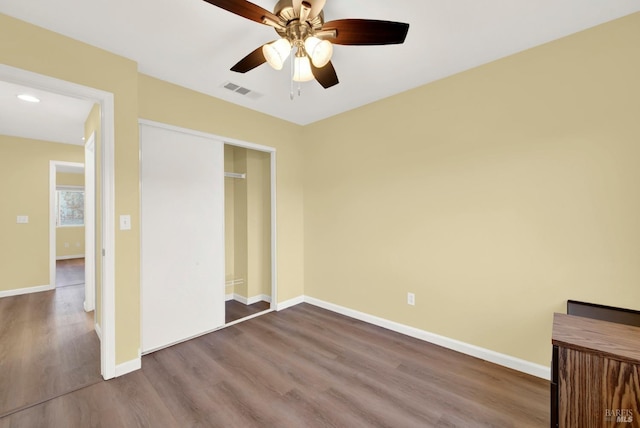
(68, 188)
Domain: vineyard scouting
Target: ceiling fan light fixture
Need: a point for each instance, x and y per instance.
(302, 69)
(276, 53)
(301, 25)
(319, 50)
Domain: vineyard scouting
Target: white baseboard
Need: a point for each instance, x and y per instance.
(252, 300)
(77, 256)
(228, 297)
(98, 331)
(26, 290)
(129, 366)
(88, 306)
(259, 298)
(289, 303)
(456, 345)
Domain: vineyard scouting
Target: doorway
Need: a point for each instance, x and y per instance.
(48, 340)
(106, 213)
(69, 224)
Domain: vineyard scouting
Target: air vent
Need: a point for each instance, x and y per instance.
(242, 91)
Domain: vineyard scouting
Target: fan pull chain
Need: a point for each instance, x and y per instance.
(292, 71)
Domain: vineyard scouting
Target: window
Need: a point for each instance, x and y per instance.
(69, 207)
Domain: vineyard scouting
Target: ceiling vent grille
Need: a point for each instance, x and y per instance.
(246, 92)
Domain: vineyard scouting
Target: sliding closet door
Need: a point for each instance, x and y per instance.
(182, 289)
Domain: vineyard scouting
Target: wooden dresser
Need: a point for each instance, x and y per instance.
(595, 379)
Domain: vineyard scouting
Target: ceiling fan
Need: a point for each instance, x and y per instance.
(301, 27)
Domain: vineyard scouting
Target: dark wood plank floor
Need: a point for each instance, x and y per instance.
(69, 272)
(235, 310)
(302, 367)
(48, 347)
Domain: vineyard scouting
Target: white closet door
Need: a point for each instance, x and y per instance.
(182, 270)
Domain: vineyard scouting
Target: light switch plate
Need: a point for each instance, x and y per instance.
(125, 222)
(22, 219)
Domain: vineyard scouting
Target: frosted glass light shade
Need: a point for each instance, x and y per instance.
(277, 52)
(320, 51)
(302, 69)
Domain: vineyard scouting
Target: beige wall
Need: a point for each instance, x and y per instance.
(229, 220)
(71, 179)
(24, 186)
(70, 240)
(236, 221)
(494, 195)
(258, 183)
(41, 51)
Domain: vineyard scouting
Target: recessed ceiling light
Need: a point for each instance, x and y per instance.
(29, 98)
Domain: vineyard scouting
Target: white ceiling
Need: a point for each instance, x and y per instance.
(56, 118)
(193, 44)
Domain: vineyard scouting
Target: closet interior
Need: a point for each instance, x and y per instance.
(247, 218)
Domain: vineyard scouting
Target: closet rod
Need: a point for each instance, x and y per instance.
(235, 175)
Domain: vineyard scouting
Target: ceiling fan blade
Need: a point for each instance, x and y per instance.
(367, 32)
(316, 6)
(245, 9)
(250, 61)
(326, 75)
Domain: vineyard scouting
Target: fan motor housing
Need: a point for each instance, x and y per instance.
(285, 10)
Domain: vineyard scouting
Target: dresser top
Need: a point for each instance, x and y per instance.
(618, 341)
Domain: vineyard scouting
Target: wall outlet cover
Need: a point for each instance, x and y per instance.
(411, 299)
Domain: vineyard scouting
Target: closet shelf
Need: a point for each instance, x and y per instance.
(235, 175)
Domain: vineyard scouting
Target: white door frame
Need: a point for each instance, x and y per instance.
(105, 99)
(89, 224)
(246, 145)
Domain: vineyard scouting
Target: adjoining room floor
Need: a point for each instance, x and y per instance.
(69, 272)
(303, 367)
(48, 345)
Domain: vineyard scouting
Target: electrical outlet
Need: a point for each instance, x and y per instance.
(78, 244)
(411, 299)
(66, 245)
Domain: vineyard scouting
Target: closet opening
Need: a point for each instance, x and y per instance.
(208, 256)
(248, 232)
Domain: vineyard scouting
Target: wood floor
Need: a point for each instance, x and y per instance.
(69, 272)
(235, 310)
(302, 367)
(48, 346)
